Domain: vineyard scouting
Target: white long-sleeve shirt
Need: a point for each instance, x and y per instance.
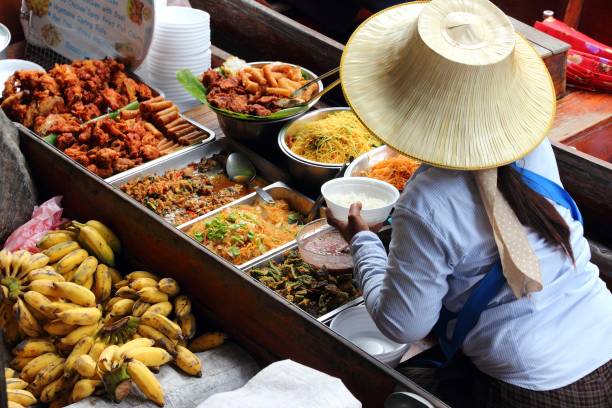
(442, 245)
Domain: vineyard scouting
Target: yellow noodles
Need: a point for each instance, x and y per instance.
(332, 139)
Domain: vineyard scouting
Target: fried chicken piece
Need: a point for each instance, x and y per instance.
(113, 100)
(149, 152)
(122, 164)
(78, 155)
(85, 112)
(99, 137)
(85, 135)
(49, 104)
(210, 77)
(132, 144)
(144, 92)
(259, 110)
(105, 157)
(65, 140)
(56, 123)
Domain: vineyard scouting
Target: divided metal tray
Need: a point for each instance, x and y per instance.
(278, 191)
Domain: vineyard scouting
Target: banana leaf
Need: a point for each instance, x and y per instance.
(193, 85)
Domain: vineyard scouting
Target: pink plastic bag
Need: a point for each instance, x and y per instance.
(45, 217)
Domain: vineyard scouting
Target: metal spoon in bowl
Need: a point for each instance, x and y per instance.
(240, 170)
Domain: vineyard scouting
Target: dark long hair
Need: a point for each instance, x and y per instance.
(533, 210)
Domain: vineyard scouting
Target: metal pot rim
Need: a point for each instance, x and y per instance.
(283, 144)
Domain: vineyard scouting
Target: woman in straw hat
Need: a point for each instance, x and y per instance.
(487, 249)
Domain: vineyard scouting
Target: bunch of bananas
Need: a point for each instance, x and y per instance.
(16, 392)
(87, 329)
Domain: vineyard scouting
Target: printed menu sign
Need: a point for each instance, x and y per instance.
(94, 28)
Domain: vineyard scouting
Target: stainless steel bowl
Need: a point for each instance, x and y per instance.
(259, 130)
(308, 172)
(5, 40)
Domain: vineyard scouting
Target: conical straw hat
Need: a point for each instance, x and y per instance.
(448, 82)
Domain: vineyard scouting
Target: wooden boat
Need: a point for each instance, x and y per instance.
(265, 325)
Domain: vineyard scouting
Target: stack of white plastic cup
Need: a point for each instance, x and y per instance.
(181, 41)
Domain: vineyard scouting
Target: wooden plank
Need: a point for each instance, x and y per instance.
(580, 111)
(589, 182)
(265, 324)
(552, 44)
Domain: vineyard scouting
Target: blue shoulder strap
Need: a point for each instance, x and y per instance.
(493, 281)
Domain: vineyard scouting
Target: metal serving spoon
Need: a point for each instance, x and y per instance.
(240, 170)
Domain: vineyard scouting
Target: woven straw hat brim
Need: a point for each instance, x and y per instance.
(444, 113)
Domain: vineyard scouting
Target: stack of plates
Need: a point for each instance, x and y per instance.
(181, 40)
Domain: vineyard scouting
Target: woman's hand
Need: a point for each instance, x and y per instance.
(354, 225)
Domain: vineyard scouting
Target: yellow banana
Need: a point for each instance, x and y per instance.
(139, 308)
(96, 350)
(5, 262)
(152, 295)
(77, 334)
(136, 343)
(55, 237)
(146, 381)
(106, 358)
(58, 328)
(37, 261)
(27, 323)
(169, 286)
(103, 283)
(207, 341)
(182, 306)
(143, 283)
(121, 308)
(28, 373)
(46, 272)
(81, 316)
(46, 376)
(84, 388)
(44, 286)
(149, 356)
(108, 235)
(161, 323)
(9, 372)
(115, 275)
(188, 325)
(188, 362)
(76, 293)
(162, 308)
(71, 260)
(93, 240)
(13, 404)
(39, 302)
(58, 307)
(85, 272)
(19, 259)
(82, 347)
(34, 347)
(16, 384)
(161, 339)
(111, 302)
(23, 397)
(58, 251)
(85, 366)
(54, 389)
(120, 284)
(127, 293)
(140, 274)
(18, 363)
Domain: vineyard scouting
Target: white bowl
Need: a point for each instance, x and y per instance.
(360, 185)
(356, 324)
(9, 66)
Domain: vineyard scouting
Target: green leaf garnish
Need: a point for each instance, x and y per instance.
(51, 138)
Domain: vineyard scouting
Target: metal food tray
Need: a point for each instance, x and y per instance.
(277, 257)
(195, 153)
(278, 191)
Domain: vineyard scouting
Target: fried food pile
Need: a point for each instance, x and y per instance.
(255, 91)
(80, 91)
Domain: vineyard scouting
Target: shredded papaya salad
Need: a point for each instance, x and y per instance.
(247, 231)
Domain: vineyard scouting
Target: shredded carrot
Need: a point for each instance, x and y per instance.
(396, 170)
